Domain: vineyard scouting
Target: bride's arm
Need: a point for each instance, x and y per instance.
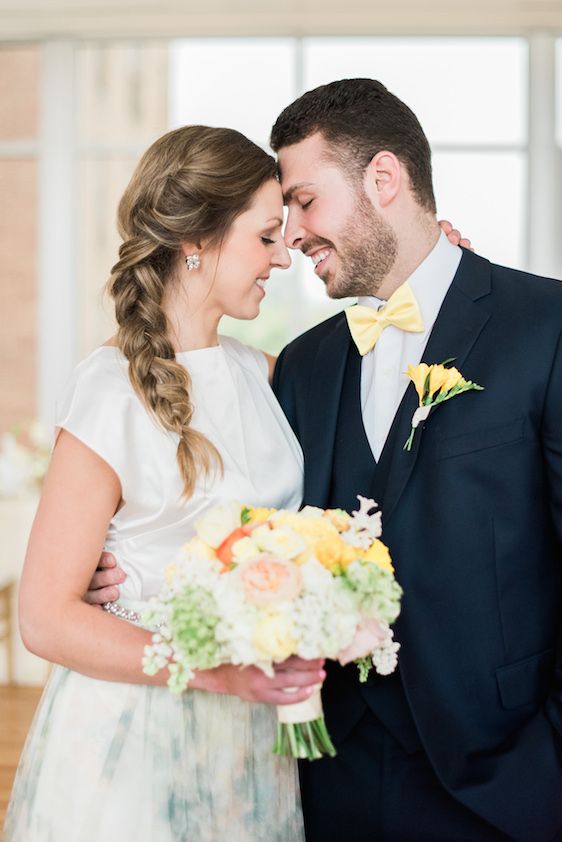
(81, 494)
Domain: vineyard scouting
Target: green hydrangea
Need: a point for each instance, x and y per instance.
(193, 622)
(375, 590)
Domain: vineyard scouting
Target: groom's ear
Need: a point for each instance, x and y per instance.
(383, 178)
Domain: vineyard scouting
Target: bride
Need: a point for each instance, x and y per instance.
(159, 424)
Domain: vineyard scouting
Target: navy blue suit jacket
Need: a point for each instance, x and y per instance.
(473, 519)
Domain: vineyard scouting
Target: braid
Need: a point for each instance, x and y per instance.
(163, 384)
(190, 186)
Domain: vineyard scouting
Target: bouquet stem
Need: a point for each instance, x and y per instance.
(302, 732)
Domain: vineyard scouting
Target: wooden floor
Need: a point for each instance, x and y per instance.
(17, 706)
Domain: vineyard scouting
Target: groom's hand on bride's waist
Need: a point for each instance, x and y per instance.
(105, 581)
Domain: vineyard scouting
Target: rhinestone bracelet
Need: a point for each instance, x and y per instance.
(123, 613)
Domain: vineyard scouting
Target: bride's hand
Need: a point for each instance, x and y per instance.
(454, 236)
(252, 684)
(103, 587)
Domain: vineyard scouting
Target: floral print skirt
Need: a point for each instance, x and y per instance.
(131, 762)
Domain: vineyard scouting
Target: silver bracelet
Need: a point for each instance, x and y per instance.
(124, 613)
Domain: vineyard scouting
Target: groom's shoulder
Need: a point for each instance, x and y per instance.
(515, 290)
(518, 283)
(305, 345)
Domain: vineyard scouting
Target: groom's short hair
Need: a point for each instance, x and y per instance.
(358, 118)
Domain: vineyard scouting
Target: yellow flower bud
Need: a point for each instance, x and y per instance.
(418, 375)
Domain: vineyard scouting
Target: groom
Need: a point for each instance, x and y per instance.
(464, 742)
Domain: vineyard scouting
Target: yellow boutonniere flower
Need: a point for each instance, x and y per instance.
(418, 375)
(434, 385)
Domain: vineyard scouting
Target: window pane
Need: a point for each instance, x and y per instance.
(463, 90)
(19, 92)
(122, 93)
(242, 83)
(483, 194)
(18, 294)
(558, 90)
(102, 183)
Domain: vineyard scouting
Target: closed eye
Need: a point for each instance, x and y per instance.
(267, 240)
(307, 204)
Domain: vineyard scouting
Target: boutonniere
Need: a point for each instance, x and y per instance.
(435, 384)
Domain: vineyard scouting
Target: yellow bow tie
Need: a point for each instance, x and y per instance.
(366, 324)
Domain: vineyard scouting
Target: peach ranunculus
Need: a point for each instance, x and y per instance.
(368, 635)
(270, 579)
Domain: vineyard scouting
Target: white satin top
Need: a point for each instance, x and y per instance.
(234, 407)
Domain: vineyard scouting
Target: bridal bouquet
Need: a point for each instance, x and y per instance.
(255, 586)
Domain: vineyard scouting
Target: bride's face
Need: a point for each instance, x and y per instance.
(254, 245)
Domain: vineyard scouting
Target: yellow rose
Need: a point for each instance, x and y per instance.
(333, 553)
(377, 553)
(258, 514)
(273, 637)
(418, 375)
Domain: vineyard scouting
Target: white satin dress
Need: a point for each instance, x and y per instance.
(134, 763)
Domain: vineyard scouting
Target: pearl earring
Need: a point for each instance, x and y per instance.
(192, 261)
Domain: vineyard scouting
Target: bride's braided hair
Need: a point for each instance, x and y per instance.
(189, 186)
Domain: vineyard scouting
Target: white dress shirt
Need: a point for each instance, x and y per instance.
(383, 381)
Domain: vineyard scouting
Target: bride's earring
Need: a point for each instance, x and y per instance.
(192, 261)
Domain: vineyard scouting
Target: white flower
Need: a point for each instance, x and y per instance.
(281, 541)
(245, 550)
(311, 512)
(385, 656)
(364, 527)
(218, 523)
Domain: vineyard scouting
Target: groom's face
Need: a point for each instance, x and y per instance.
(332, 220)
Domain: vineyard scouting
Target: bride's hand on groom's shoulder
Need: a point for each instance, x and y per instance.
(252, 684)
(105, 581)
(454, 235)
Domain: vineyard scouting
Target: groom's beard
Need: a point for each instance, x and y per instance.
(367, 252)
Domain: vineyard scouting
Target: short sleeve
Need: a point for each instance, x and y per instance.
(247, 355)
(98, 406)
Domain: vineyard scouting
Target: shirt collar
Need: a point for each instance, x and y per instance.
(429, 281)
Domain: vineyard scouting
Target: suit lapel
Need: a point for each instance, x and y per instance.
(454, 333)
(323, 407)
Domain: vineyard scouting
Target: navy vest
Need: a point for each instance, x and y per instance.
(355, 471)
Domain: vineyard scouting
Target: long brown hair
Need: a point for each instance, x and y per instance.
(189, 186)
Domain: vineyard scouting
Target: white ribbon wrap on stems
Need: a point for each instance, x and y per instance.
(420, 415)
(306, 711)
